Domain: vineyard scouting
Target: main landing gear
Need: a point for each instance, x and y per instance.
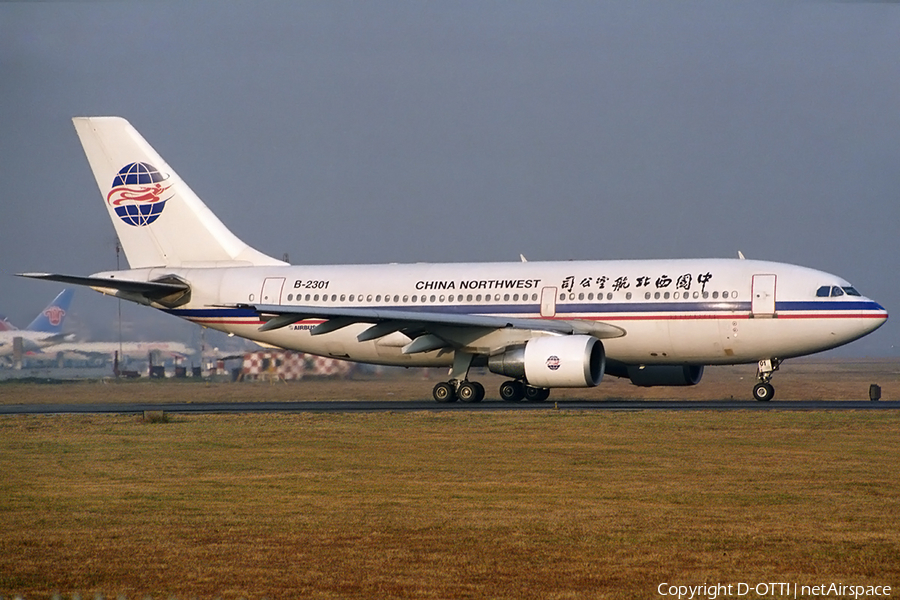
(465, 391)
(763, 391)
(472, 391)
(515, 390)
(460, 388)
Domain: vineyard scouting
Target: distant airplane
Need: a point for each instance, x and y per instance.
(140, 350)
(542, 324)
(45, 330)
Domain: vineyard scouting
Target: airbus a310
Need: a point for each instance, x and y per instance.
(541, 324)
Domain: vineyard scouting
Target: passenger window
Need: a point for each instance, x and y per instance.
(515, 297)
(405, 299)
(290, 297)
(415, 298)
(562, 297)
(478, 298)
(469, 298)
(646, 295)
(591, 296)
(824, 291)
(715, 295)
(432, 297)
(609, 296)
(628, 296)
(506, 297)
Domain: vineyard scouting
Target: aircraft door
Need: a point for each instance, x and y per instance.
(548, 302)
(762, 303)
(271, 290)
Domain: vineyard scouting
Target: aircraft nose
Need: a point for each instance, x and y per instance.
(878, 316)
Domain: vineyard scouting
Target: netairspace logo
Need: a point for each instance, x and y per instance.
(772, 590)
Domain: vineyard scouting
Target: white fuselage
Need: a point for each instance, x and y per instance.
(31, 340)
(690, 311)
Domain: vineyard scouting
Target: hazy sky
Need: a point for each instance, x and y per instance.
(464, 131)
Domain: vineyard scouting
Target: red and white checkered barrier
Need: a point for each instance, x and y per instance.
(328, 367)
(287, 366)
(274, 364)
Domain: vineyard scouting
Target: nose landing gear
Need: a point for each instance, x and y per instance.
(764, 391)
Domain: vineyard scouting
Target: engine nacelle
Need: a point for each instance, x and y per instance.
(554, 361)
(651, 375)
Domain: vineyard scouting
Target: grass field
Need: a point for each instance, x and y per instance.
(440, 505)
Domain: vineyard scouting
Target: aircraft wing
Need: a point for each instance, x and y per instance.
(424, 325)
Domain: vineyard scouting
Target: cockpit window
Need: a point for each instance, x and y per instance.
(834, 291)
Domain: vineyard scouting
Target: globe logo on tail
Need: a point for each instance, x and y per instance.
(138, 193)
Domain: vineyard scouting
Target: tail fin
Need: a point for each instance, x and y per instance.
(5, 325)
(159, 220)
(51, 318)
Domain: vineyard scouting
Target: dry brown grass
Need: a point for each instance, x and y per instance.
(446, 505)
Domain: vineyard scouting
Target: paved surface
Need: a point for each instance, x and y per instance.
(409, 406)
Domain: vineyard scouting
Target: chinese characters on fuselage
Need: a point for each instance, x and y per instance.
(616, 284)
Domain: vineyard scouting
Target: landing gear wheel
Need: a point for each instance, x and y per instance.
(763, 392)
(536, 394)
(469, 391)
(444, 392)
(512, 391)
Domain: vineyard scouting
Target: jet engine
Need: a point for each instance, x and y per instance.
(554, 361)
(649, 376)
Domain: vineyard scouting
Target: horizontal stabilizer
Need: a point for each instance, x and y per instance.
(170, 292)
(125, 285)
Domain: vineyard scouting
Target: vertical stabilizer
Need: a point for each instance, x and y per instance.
(159, 220)
(51, 318)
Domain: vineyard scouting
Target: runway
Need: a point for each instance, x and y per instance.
(431, 406)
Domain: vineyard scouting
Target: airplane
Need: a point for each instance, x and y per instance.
(45, 330)
(140, 350)
(541, 324)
